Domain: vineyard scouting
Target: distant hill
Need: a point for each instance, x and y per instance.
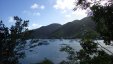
(73, 29)
(45, 31)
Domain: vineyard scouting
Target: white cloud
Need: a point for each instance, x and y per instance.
(36, 14)
(64, 4)
(10, 19)
(42, 7)
(31, 13)
(79, 12)
(35, 6)
(64, 11)
(66, 8)
(34, 26)
(67, 16)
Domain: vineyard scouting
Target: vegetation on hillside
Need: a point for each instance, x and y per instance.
(74, 29)
(102, 15)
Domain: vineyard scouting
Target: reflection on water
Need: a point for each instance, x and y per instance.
(36, 50)
(45, 61)
(57, 51)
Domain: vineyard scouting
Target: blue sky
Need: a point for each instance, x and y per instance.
(39, 12)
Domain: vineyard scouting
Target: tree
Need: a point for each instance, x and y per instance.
(9, 39)
(89, 54)
(3, 42)
(102, 13)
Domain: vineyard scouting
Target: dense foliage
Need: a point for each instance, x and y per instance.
(9, 38)
(101, 12)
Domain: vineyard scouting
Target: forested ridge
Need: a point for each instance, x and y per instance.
(98, 24)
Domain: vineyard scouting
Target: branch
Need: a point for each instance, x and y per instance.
(105, 48)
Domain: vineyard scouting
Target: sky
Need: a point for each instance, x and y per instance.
(39, 12)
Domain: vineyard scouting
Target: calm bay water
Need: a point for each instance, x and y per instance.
(36, 51)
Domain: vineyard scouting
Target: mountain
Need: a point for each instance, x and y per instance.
(45, 31)
(73, 29)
